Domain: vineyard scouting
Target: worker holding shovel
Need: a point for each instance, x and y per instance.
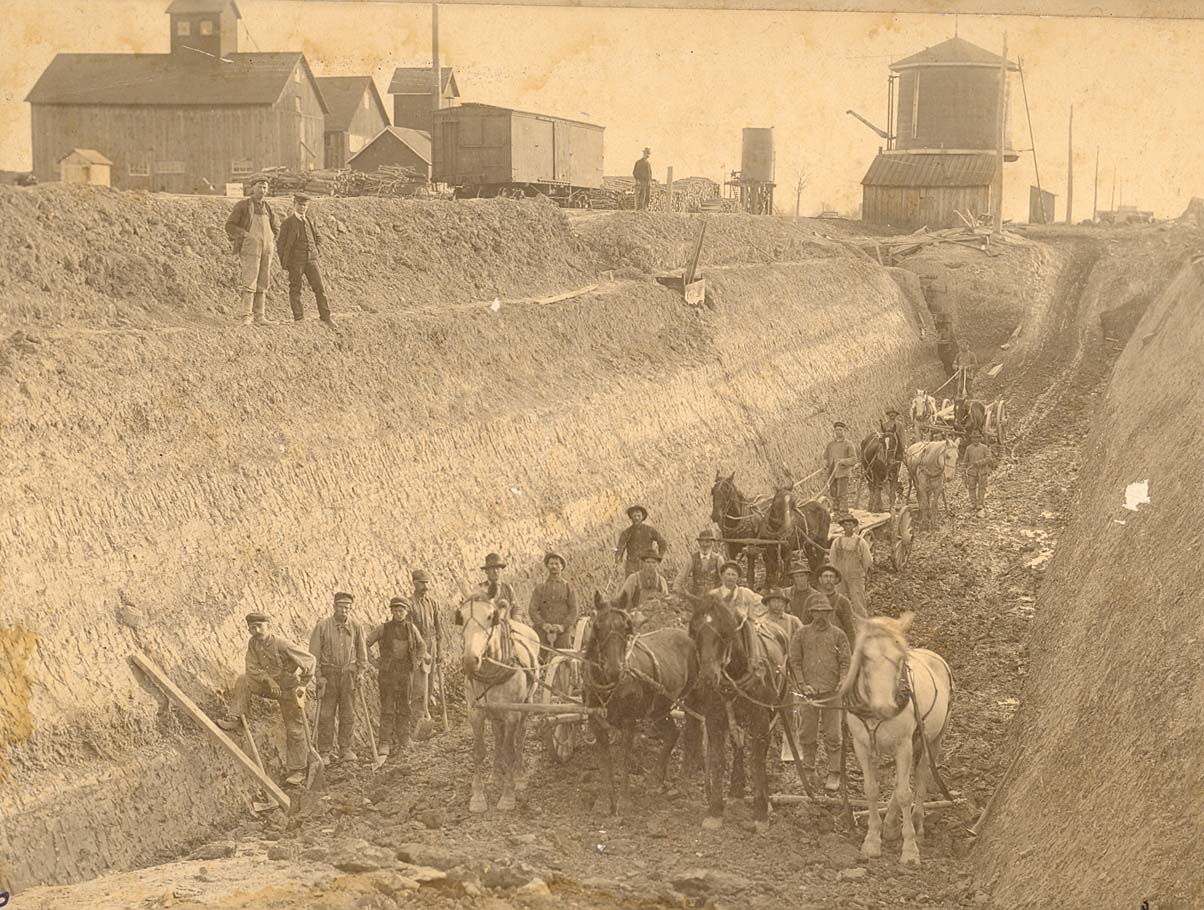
(401, 650)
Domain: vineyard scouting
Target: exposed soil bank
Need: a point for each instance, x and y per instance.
(1104, 806)
(173, 471)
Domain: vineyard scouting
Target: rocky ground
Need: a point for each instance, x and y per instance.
(403, 837)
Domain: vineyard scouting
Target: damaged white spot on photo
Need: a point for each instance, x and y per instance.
(1137, 494)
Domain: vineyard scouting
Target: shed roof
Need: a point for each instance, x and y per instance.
(416, 80)
(89, 155)
(418, 141)
(478, 106)
(955, 52)
(343, 95)
(930, 170)
(168, 79)
(202, 6)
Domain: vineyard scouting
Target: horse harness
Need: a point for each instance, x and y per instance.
(506, 664)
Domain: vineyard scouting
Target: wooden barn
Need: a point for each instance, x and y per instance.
(356, 115)
(187, 121)
(413, 95)
(396, 146)
(86, 166)
(941, 149)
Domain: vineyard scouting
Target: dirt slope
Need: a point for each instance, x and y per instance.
(167, 470)
(1105, 803)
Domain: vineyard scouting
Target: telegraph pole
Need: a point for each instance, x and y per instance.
(1095, 197)
(1070, 170)
(999, 130)
(436, 76)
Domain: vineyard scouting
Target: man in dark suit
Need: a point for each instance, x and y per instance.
(299, 245)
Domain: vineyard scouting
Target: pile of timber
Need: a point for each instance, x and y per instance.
(901, 246)
(690, 194)
(386, 180)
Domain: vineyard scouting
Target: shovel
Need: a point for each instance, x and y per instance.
(377, 759)
(316, 765)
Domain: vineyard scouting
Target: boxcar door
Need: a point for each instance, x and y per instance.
(543, 149)
(563, 152)
(447, 166)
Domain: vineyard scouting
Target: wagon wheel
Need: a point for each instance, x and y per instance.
(1001, 426)
(901, 538)
(560, 738)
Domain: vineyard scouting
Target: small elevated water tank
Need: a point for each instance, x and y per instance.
(756, 156)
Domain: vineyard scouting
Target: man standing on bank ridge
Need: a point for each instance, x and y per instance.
(252, 229)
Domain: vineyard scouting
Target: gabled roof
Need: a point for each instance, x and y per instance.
(343, 95)
(956, 52)
(418, 141)
(931, 170)
(202, 6)
(168, 79)
(90, 155)
(416, 80)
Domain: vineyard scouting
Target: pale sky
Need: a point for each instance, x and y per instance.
(686, 81)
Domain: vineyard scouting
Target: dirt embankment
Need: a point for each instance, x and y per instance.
(168, 470)
(1103, 808)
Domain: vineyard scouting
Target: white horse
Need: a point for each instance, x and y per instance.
(929, 465)
(501, 663)
(923, 411)
(887, 686)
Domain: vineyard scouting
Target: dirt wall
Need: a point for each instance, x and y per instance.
(1103, 808)
(168, 470)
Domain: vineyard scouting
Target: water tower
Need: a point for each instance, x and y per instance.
(941, 138)
(753, 184)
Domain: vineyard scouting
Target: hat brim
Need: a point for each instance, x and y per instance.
(633, 509)
(496, 565)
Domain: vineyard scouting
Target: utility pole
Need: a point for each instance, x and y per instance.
(1114, 187)
(1070, 170)
(1095, 196)
(999, 130)
(436, 74)
(1033, 142)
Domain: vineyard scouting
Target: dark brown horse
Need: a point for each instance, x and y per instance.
(633, 678)
(740, 673)
(881, 457)
(737, 517)
(799, 527)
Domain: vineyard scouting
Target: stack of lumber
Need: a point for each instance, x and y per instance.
(387, 180)
(690, 194)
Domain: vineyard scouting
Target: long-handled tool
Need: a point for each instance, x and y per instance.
(251, 742)
(377, 758)
(442, 692)
(315, 764)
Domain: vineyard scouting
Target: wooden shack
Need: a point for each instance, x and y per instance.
(356, 115)
(412, 88)
(187, 121)
(395, 146)
(86, 166)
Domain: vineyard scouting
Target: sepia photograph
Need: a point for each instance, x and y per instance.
(601, 455)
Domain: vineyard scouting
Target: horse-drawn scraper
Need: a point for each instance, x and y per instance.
(692, 288)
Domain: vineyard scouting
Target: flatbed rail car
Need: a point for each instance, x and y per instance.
(487, 151)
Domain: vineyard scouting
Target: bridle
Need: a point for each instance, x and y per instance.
(606, 690)
(499, 669)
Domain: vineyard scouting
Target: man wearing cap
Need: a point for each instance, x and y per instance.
(701, 573)
(276, 669)
(648, 580)
(776, 601)
(497, 590)
(339, 644)
(848, 617)
(980, 461)
(744, 601)
(252, 228)
(840, 457)
(851, 556)
(636, 539)
(553, 608)
(893, 427)
(402, 650)
(424, 614)
(819, 656)
(800, 590)
(299, 245)
(642, 172)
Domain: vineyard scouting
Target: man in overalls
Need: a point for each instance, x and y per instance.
(339, 644)
(648, 580)
(401, 650)
(424, 613)
(851, 556)
(701, 573)
(553, 609)
(840, 457)
(252, 228)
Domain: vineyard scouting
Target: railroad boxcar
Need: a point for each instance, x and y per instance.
(486, 151)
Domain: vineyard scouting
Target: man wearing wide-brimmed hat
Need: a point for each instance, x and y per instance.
(300, 246)
(636, 539)
(642, 172)
(648, 581)
(275, 669)
(701, 573)
(553, 608)
(850, 554)
(848, 617)
(497, 590)
(819, 656)
(744, 601)
(252, 228)
(840, 457)
(980, 461)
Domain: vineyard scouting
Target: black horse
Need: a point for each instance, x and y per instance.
(881, 457)
(737, 517)
(799, 527)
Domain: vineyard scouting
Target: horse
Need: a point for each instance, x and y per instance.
(897, 700)
(923, 411)
(929, 465)
(501, 663)
(741, 668)
(633, 678)
(804, 527)
(881, 454)
(970, 415)
(737, 516)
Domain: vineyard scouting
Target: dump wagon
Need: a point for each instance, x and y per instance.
(483, 150)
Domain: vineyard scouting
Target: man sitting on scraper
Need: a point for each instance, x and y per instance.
(276, 669)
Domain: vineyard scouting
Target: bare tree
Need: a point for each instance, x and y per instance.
(801, 178)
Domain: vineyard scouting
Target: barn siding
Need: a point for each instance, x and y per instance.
(914, 207)
(207, 140)
(389, 150)
(366, 123)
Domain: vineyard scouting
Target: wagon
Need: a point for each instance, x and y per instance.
(563, 718)
(995, 431)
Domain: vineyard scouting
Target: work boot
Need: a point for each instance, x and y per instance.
(383, 751)
(808, 759)
(327, 758)
(349, 755)
(295, 779)
(832, 784)
(328, 321)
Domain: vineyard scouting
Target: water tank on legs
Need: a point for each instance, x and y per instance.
(756, 157)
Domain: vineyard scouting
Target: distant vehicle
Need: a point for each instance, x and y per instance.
(487, 151)
(1126, 214)
(828, 213)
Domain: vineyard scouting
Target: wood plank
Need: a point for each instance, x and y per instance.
(188, 706)
(793, 799)
(524, 707)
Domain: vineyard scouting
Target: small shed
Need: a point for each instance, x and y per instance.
(1040, 206)
(927, 190)
(395, 145)
(85, 166)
